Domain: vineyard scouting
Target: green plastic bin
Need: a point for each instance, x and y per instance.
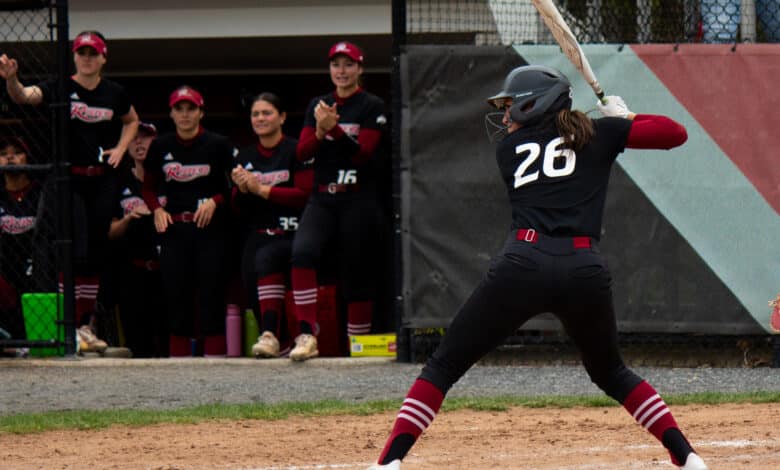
(42, 316)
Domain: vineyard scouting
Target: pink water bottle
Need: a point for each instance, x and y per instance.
(233, 330)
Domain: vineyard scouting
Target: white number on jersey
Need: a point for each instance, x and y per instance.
(551, 152)
(288, 223)
(347, 177)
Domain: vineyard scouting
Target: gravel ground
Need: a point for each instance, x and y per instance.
(34, 385)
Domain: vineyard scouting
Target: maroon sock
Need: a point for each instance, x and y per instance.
(86, 296)
(270, 294)
(179, 346)
(304, 283)
(421, 405)
(359, 316)
(649, 409)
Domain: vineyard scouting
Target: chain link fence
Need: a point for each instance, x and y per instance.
(31, 311)
(492, 22)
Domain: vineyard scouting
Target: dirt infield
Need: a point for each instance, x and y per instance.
(730, 437)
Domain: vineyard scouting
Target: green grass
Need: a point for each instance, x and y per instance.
(96, 419)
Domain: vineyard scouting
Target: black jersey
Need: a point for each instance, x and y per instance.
(141, 240)
(190, 172)
(95, 118)
(278, 170)
(18, 220)
(333, 161)
(555, 190)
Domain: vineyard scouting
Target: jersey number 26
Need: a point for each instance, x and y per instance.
(551, 152)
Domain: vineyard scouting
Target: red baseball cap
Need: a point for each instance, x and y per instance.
(348, 49)
(90, 40)
(186, 93)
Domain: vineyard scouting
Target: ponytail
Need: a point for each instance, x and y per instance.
(575, 127)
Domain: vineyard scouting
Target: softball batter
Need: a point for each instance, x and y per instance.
(555, 163)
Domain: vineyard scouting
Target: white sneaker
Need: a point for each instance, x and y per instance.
(394, 465)
(694, 462)
(266, 346)
(305, 348)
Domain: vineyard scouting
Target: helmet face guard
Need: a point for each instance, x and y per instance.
(534, 91)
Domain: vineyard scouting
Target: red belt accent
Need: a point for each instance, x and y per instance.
(92, 170)
(334, 188)
(532, 236)
(187, 217)
(149, 265)
(271, 231)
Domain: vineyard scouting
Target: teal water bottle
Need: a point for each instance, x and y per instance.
(251, 332)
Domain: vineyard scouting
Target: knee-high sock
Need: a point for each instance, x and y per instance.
(86, 296)
(304, 283)
(270, 294)
(359, 316)
(421, 405)
(650, 410)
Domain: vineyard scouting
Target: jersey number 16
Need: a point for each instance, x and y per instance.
(551, 152)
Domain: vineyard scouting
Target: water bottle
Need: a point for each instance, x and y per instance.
(250, 332)
(233, 329)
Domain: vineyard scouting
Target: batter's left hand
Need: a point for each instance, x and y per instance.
(204, 213)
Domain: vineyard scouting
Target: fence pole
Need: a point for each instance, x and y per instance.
(403, 339)
(64, 240)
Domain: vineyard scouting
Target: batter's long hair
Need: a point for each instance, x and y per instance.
(575, 127)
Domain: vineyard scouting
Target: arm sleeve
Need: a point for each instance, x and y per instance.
(296, 196)
(649, 131)
(123, 104)
(307, 144)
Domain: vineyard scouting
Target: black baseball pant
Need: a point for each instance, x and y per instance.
(527, 279)
(191, 263)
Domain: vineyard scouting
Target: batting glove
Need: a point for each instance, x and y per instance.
(615, 107)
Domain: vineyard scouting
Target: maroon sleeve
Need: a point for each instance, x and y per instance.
(307, 144)
(368, 139)
(650, 131)
(296, 196)
(149, 191)
(219, 198)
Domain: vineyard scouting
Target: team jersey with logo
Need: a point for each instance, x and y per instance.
(275, 167)
(334, 160)
(555, 190)
(18, 213)
(187, 172)
(95, 118)
(141, 240)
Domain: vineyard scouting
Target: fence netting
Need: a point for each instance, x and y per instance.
(30, 308)
(494, 22)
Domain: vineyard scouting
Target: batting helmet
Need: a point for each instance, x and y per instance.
(535, 90)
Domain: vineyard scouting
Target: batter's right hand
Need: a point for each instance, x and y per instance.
(162, 219)
(8, 67)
